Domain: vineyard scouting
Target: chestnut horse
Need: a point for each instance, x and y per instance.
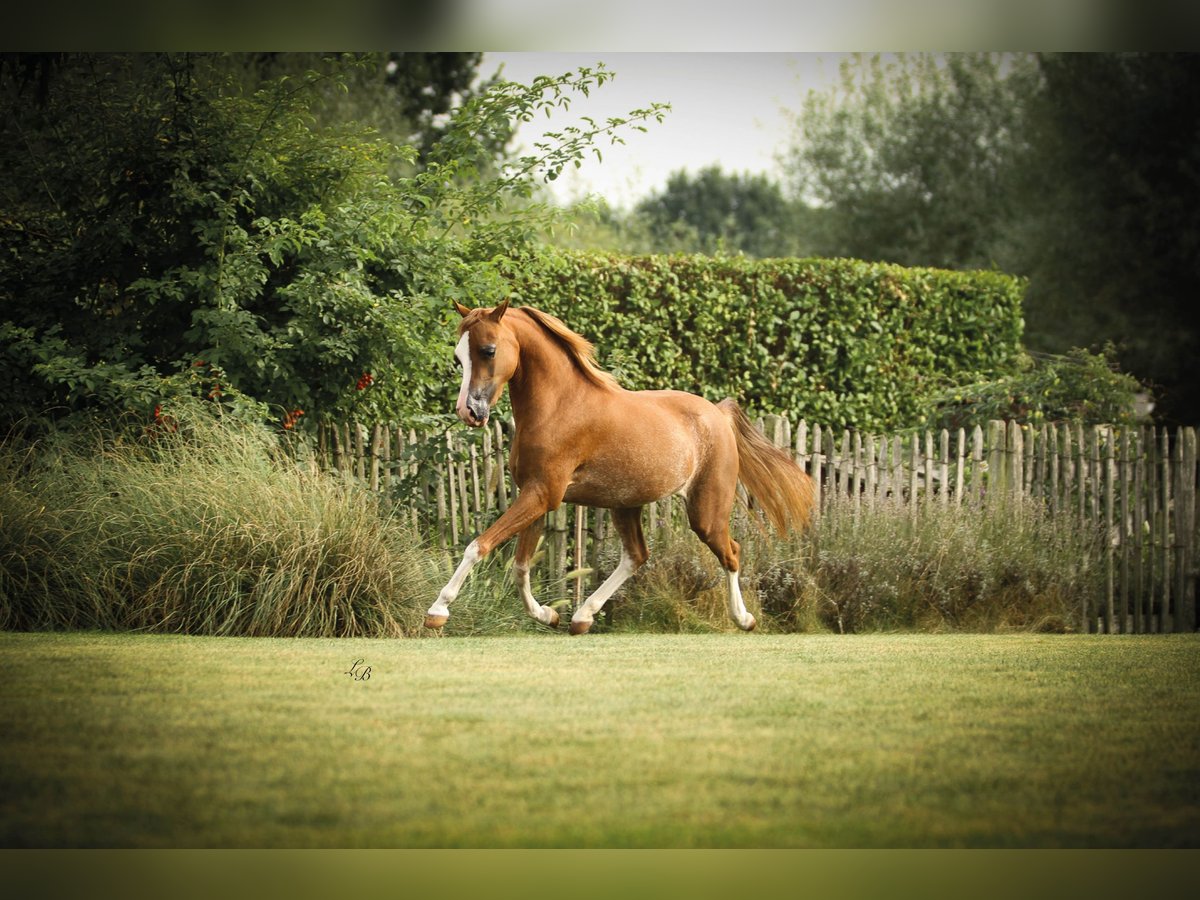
(582, 438)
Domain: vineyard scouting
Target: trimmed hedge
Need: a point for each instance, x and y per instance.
(841, 342)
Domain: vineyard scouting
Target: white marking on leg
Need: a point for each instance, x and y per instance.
(454, 585)
(463, 352)
(543, 614)
(737, 607)
(588, 609)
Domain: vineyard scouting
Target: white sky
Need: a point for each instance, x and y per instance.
(727, 109)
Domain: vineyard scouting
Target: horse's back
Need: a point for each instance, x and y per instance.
(704, 418)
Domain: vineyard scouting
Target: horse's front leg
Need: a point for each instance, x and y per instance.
(531, 504)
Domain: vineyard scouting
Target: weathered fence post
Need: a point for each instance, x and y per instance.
(580, 538)
(929, 468)
(857, 470)
(944, 466)
(1183, 530)
(1016, 455)
(376, 450)
(1188, 491)
(872, 462)
(1166, 620)
(1052, 452)
(501, 467)
(1124, 531)
(995, 464)
(1140, 623)
(960, 450)
(913, 502)
(1109, 559)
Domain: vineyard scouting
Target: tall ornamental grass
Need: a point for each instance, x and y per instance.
(1009, 566)
(208, 529)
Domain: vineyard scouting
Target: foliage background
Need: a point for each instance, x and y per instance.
(193, 244)
(1076, 171)
(175, 224)
(228, 227)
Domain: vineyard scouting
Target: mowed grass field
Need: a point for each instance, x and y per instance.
(725, 740)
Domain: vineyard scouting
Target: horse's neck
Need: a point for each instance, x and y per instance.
(546, 378)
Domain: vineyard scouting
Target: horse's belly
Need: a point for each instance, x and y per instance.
(631, 479)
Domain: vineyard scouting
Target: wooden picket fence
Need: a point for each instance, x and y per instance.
(1138, 485)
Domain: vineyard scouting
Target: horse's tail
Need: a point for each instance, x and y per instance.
(771, 476)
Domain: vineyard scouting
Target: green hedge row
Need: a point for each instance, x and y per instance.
(841, 342)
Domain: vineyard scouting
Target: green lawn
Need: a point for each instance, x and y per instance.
(603, 741)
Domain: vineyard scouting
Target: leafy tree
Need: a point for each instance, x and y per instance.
(1111, 192)
(427, 86)
(714, 211)
(406, 96)
(164, 229)
(709, 213)
(1079, 171)
(911, 158)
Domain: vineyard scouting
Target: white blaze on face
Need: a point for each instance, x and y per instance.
(463, 352)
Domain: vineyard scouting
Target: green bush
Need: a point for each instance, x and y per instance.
(841, 342)
(191, 221)
(1078, 387)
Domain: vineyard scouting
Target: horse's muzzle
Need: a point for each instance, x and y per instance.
(474, 412)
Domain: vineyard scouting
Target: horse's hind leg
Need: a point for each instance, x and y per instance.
(526, 545)
(634, 553)
(708, 508)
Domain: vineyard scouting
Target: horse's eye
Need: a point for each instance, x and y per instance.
(487, 352)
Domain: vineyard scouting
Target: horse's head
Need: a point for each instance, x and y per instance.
(488, 352)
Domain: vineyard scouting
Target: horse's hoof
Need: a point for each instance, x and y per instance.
(580, 627)
(750, 627)
(553, 623)
(432, 621)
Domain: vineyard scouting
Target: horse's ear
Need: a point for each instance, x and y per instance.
(462, 310)
(498, 313)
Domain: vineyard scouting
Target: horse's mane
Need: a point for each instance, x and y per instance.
(579, 348)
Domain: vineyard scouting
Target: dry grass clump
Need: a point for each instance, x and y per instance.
(208, 530)
(1008, 567)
